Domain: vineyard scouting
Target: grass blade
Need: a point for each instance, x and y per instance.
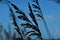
(32, 15)
(14, 6)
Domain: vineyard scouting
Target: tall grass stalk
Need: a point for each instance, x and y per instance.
(37, 8)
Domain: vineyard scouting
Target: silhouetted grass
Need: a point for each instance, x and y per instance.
(22, 16)
(34, 20)
(28, 22)
(37, 8)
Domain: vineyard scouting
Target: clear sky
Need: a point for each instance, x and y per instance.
(50, 9)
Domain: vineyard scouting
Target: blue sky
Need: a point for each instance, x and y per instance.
(50, 9)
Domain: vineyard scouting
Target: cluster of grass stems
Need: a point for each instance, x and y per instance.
(31, 24)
